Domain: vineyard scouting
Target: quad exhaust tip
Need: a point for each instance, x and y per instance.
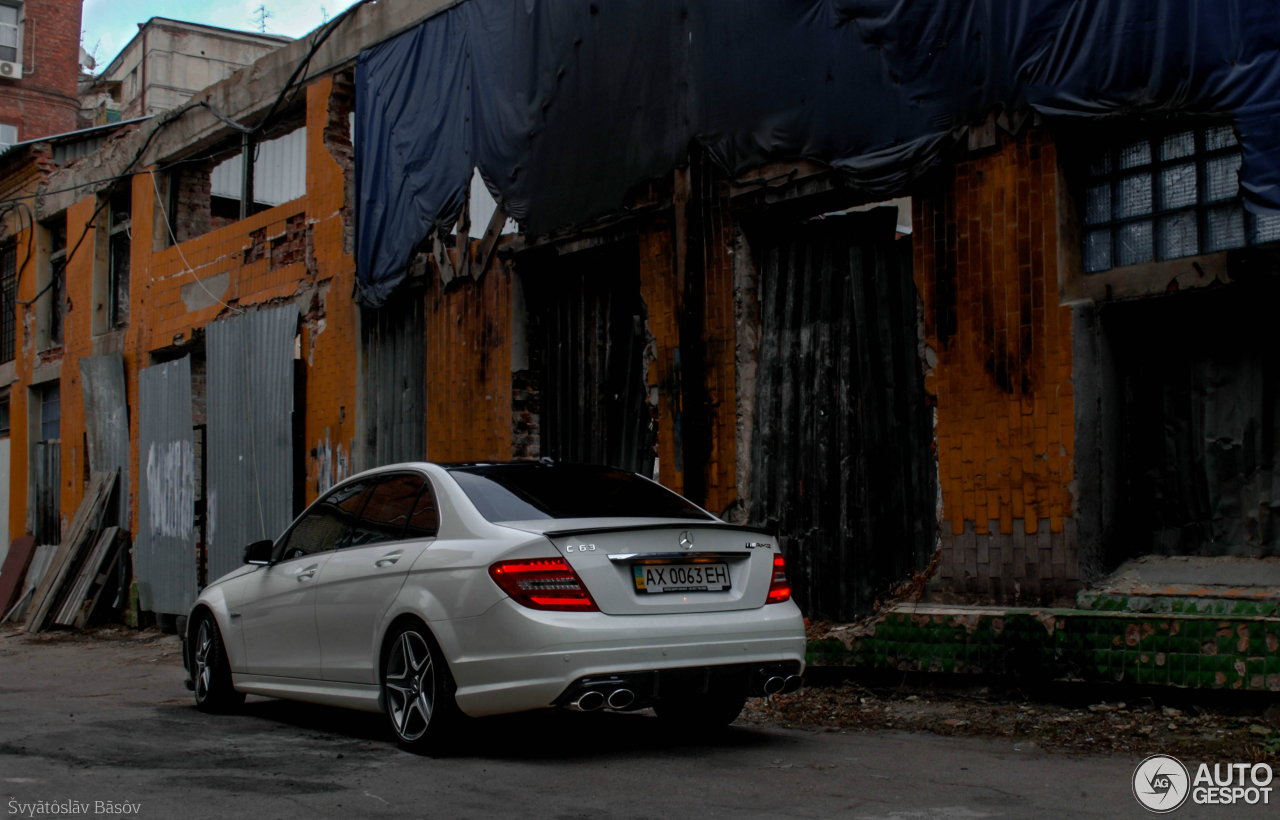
(792, 684)
(589, 701)
(774, 685)
(621, 698)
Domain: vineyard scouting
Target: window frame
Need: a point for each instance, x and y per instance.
(20, 27)
(54, 302)
(400, 539)
(8, 302)
(46, 390)
(114, 231)
(1200, 157)
(376, 478)
(277, 550)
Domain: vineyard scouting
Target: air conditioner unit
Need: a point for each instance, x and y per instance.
(10, 71)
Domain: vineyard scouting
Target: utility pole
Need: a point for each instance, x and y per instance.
(261, 17)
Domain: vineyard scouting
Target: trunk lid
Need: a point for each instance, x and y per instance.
(605, 557)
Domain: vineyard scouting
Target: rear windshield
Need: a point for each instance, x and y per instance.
(526, 492)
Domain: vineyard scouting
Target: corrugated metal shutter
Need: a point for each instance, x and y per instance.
(165, 553)
(106, 418)
(250, 395)
(841, 464)
(66, 151)
(395, 341)
(590, 320)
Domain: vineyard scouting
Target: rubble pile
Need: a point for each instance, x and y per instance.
(1141, 727)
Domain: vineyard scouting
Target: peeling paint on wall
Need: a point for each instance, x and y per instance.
(332, 464)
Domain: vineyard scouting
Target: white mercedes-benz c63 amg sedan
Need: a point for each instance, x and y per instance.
(431, 591)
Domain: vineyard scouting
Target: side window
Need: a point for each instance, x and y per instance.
(327, 524)
(390, 505)
(425, 520)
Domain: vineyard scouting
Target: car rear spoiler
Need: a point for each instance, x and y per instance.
(640, 527)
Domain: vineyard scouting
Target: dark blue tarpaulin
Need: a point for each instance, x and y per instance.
(564, 105)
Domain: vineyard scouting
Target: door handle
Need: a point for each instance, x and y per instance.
(307, 573)
(388, 559)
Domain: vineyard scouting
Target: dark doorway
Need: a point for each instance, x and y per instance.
(46, 465)
(588, 325)
(841, 462)
(1195, 385)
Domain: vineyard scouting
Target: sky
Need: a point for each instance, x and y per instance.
(108, 25)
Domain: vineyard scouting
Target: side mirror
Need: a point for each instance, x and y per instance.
(259, 553)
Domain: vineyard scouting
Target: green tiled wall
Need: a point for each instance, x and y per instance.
(1183, 650)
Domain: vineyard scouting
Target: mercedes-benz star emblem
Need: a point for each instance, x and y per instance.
(686, 540)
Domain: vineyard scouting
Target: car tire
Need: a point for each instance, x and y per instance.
(210, 670)
(714, 709)
(418, 690)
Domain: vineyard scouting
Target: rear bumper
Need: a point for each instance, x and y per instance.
(512, 658)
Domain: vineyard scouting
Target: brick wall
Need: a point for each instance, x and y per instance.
(192, 215)
(986, 264)
(44, 102)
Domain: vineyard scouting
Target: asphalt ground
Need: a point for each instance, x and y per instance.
(103, 722)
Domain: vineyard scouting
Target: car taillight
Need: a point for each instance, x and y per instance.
(543, 583)
(779, 589)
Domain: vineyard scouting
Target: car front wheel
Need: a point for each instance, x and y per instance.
(210, 670)
(417, 690)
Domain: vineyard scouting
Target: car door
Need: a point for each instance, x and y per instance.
(277, 611)
(360, 581)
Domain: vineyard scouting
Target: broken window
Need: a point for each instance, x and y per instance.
(118, 253)
(1167, 197)
(279, 176)
(8, 307)
(482, 208)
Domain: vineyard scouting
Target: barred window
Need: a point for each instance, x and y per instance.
(8, 306)
(1167, 197)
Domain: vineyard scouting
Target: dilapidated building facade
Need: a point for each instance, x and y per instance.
(1056, 362)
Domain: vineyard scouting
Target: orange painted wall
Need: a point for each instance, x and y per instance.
(469, 367)
(659, 292)
(663, 298)
(986, 265)
(720, 352)
(308, 272)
